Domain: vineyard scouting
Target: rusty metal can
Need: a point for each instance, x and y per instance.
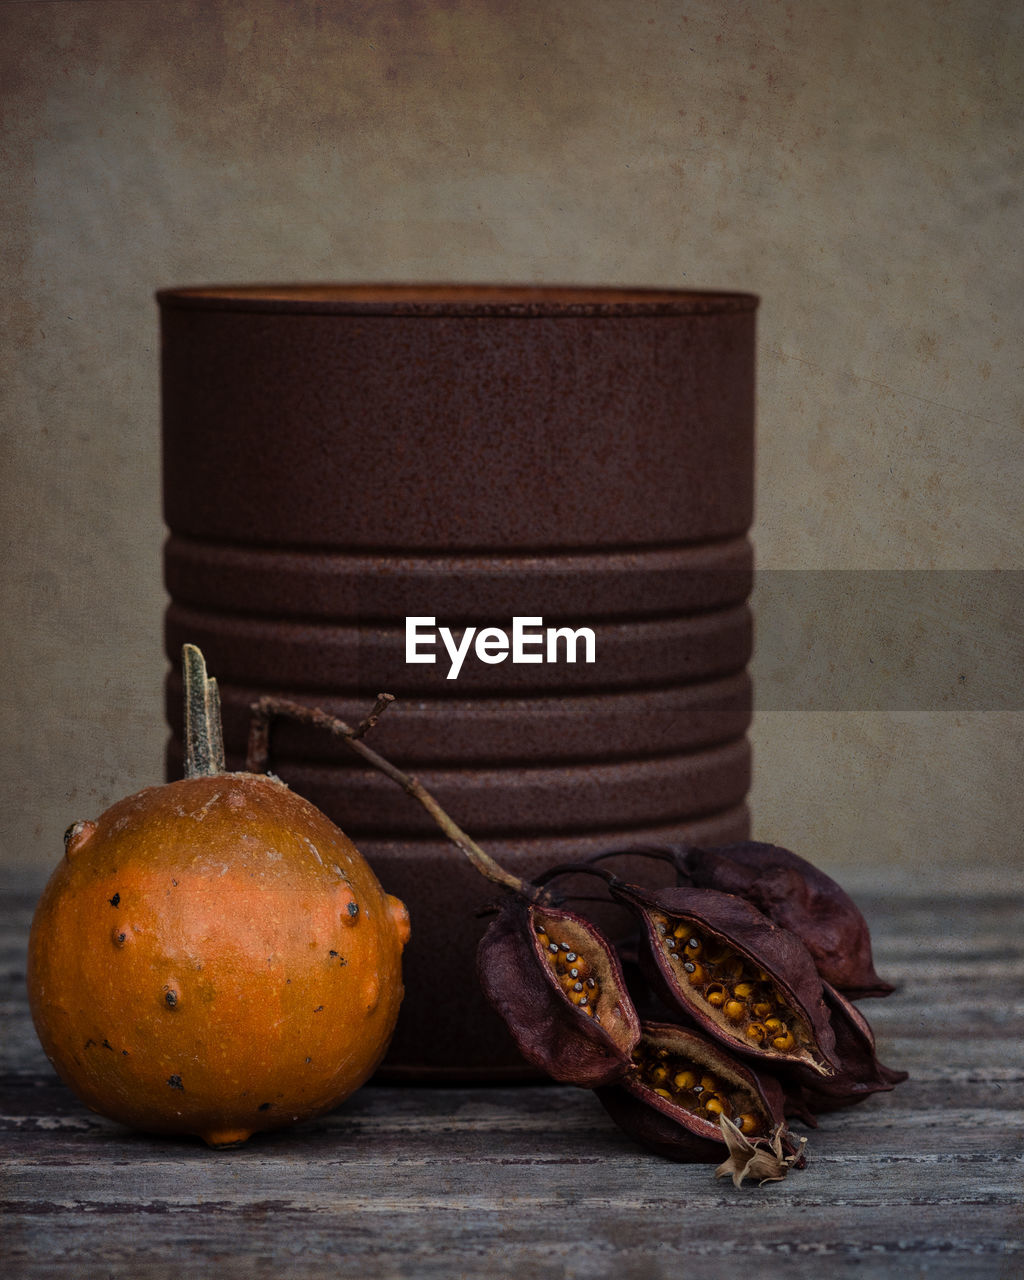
(338, 459)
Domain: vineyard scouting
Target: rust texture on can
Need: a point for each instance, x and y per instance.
(339, 458)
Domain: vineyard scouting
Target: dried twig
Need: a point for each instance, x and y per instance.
(268, 708)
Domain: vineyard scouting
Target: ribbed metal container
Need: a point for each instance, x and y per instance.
(339, 458)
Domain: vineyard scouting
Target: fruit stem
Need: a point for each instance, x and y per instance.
(204, 739)
(263, 713)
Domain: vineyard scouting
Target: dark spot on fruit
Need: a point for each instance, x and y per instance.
(171, 999)
(175, 1082)
(108, 1045)
(89, 1043)
(175, 883)
(309, 1059)
(332, 954)
(115, 900)
(124, 1053)
(264, 1106)
(353, 908)
(319, 1009)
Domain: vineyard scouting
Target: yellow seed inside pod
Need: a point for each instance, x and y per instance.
(694, 972)
(663, 1093)
(716, 995)
(743, 990)
(734, 1010)
(757, 1032)
(714, 1105)
(775, 1024)
(761, 1009)
(659, 1074)
(746, 1123)
(709, 1084)
(784, 1043)
(685, 1079)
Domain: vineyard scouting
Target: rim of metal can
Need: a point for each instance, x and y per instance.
(490, 300)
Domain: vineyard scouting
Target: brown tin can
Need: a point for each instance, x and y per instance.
(338, 459)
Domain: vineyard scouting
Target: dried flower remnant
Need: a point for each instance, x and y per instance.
(558, 986)
(760, 1159)
(678, 1089)
(796, 895)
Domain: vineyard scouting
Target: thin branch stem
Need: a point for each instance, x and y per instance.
(266, 709)
(585, 868)
(663, 853)
(384, 700)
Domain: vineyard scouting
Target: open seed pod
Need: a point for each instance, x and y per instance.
(795, 894)
(750, 984)
(679, 1086)
(860, 1074)
(556, 982)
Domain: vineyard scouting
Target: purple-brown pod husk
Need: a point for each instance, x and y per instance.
(669, 1128)
(519, 975)
(766, 947)
(795, 894)
(860, 1074)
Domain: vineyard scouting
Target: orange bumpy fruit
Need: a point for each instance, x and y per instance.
(214, 957)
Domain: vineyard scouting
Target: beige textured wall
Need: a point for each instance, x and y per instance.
(858, 164)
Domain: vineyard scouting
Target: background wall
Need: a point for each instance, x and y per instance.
(857, 164)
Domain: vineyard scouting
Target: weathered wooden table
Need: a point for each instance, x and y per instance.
(535, 1181)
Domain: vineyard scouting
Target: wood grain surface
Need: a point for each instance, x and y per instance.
(534, 1181)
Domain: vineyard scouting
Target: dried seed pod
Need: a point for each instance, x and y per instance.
(860, 1074)
(556, 982)
(679, 1087)
(739, 949)
(796, 895)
